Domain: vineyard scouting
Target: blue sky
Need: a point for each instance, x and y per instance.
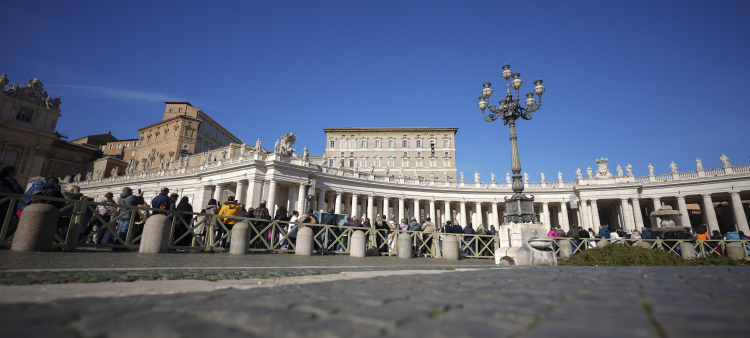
(634, 81)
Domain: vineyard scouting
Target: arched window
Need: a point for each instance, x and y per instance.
(11, 159)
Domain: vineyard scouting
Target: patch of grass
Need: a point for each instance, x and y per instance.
(625, 255)
(449, 269)
(79, 278)
(434, 313)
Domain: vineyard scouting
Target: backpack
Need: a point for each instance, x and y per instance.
(35, 189)
(38, 193)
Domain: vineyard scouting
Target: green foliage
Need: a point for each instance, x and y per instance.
(624, 255)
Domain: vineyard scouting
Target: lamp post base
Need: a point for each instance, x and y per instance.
(520, 209)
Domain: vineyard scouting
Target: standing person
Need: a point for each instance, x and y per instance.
(140, 221)
(162, 201)
(209, 222)
(127, 199)
(429, 232)
(73, 193)
(281, 215)
(10, 185)
(326, 219)
(553, 234)
(575, 239)
(645, 234)
(106, 212)
(173, 201)
(230, 208)
(560, 232)
(292, 237)
(261, 212)
(403, 227)
(469, 230)
(184, 223)
(381, 228)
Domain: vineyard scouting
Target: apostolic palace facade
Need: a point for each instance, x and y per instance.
(400, 172)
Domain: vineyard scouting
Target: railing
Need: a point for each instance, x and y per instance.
(690, 174)
(641, 179)
(741, 169)
(715, 172)
(429, 244)
(701, 248)
(663, 177)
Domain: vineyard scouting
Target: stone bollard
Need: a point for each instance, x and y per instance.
(304, 245)
(239, 244)
(404, 246)
(734, 250)
(645, 245)
(36, 229)
(687, 250)
(450, 248)
(155, 238)
(357, 246)
(566, 248)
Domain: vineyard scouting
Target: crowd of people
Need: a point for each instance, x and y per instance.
(700, 233)
(334, 237)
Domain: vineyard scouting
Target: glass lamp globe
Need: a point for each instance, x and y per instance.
(482, 103)
(506, 72)
(516, 81)
(530, 99)
(487, 91)
(539, 89)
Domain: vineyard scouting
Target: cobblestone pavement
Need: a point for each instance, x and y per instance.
(532, 302)
(26, 268)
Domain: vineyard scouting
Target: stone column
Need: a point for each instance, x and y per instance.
(272, 197)
(657, 203)
(584, 215)
(564, 211)
(495, 216)
(639, 215)
(447, 211)
(322, 201)
(347, 207)
(355, 205)
(559, 218)
(400, 210)
(380, 209)
(595, 215)
(386, 206)
(302, 199)
(371, 208)
(627, 216)
(219, 192)
(739, 214)
(416, 210)
(240, 192)
(708, 205)
(463, 214)
(337, 204)
(683, 209)
(545, 210)
(479, 214)
(432, 213)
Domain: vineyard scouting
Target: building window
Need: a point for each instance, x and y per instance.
(342, 153)
(447, 162)
(333, 144)
(419, 153)
(133, 153)
(156, 137)
(363, 144)
(330, 162)
(110, 147)
(76, 168)
(391, 144)
(433, 163)
(57, 154)
(419, 143)
(79, 159)
(185, 146)
(391, 162)
(405, 144)
(25, 115)
(54, 164)
(176, 131)
(377, 143)
(363, 162)
(170, 110)
(104, 147)
(377, 162)
(351, 163)
(119, 146)
(148, 141)
(446, 144)
(343, 144)
(405, 154)
(351, 153)
(405, 162)
(188, 132)
(126, 145)
(52, 173)
(419, 163)
(135, 144)
(446, 154)
(180, 111)
(352, 144)
(11, 159)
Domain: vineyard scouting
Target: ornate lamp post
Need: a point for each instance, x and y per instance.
(520, 207)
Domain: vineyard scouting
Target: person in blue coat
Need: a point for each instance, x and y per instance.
(603, 232)
(162, 200)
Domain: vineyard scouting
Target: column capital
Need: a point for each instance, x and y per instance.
(339, 193)
(734, 193)
(706, 195)
(680, 197)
